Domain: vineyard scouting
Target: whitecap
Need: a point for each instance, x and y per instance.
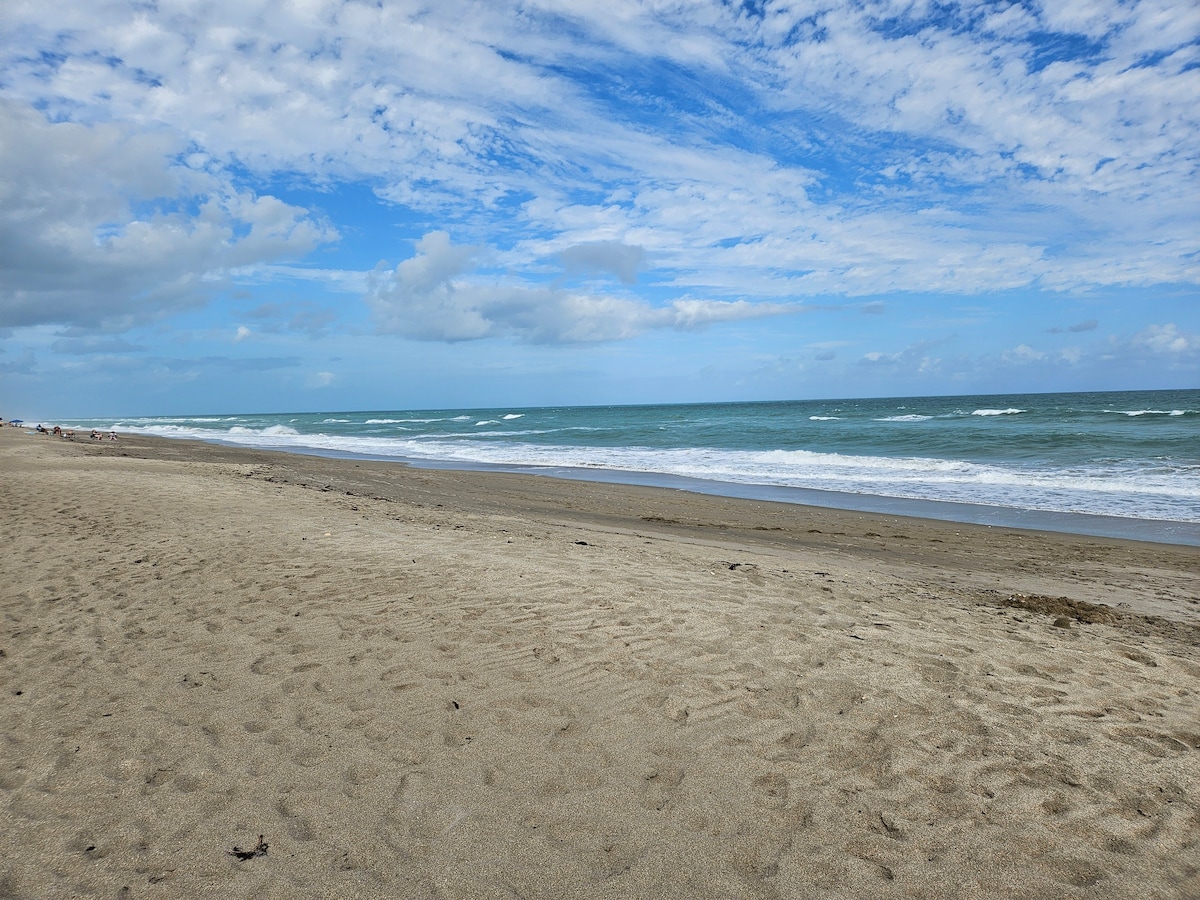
(269, 431)
(1150, 412)
(1011, 411)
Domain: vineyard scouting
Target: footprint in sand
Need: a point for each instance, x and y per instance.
(660, 784)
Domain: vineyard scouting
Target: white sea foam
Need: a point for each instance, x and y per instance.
(1133, 413)
(824, 418)
(1097, 490)
(412, 421)
(167, 430)
(908, 418)
(269, 431)
(1011, 411)
(514, 416)
(500, 434)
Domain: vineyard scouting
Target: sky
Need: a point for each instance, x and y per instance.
(221, 207)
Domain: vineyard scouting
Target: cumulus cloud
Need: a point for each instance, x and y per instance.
(913, 359)
(103, 227)
(1166, 340)
(1023, 353)
(432, 296)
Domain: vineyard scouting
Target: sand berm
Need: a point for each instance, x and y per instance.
(417, 683)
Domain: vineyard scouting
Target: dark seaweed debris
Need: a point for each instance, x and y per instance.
(1065, 607)
(259, 849)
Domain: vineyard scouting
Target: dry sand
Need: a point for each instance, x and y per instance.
(416, 683)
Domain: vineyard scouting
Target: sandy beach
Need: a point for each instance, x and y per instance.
(418, 683)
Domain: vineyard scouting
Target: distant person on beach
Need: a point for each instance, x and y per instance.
(112, 435)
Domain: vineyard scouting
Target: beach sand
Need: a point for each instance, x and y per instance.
(417, 683)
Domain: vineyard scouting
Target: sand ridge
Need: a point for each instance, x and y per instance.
(416, 683)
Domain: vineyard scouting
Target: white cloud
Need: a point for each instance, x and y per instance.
(102, 227)
(242, 333)
(797, 151)
(1023, 353)
(433, 297)
(914, 359)
(1167, 340)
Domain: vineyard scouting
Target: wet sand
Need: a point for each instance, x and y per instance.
(461, 684)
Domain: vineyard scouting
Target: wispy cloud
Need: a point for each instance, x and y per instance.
(1077, 328)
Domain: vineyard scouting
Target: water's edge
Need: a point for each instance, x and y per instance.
(1155, 531)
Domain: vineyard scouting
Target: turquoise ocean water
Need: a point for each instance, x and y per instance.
(1124, 463)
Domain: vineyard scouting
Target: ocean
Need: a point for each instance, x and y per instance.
(1117, 463)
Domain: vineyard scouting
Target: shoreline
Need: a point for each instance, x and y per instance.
(1082, 463)
(1156, 531)
(428, 682)
(1163, 531)
(933, 543)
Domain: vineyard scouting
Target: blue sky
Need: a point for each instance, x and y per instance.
(287, 206)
